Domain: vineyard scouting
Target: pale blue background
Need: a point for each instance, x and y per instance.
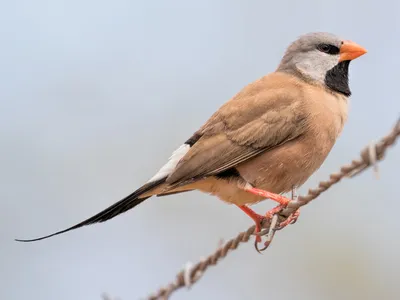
(95, 95)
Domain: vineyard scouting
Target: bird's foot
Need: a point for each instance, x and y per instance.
(274, 211)
(290, 220)
(258, 220)
(283, 202)
(273, 216)
(270, 215)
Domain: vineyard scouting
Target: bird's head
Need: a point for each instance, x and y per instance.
(323, 58)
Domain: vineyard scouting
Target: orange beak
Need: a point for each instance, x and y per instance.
(350, 50)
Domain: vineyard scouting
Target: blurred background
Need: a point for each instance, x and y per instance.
(95, 95)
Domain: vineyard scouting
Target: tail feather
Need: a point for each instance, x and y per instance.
(114, 210)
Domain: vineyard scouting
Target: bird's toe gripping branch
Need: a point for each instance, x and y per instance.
(258, 219)
(290, 220)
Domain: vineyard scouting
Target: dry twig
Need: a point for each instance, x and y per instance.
(369, 156)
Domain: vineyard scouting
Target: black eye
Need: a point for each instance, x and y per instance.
(330, 49)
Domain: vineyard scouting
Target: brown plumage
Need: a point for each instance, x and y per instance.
(275, 146)
(272, 136)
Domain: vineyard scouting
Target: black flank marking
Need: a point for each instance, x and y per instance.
(229, 174)
(337, 78)
(193, 140)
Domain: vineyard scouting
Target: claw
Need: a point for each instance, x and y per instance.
(257, 249)
(270, 234)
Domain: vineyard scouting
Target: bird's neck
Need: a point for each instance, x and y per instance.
(336, 79)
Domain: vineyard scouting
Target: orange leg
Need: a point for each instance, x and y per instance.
(276, 197)
(256, 218)
(283, 202)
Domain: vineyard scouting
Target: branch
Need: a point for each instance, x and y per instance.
(369, 156)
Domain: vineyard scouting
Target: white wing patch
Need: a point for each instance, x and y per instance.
(169, 167)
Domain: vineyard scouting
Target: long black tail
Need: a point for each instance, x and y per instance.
(114, 210)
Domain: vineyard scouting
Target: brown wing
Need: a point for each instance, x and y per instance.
(266, 114)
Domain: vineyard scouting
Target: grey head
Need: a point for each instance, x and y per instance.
(322, 58)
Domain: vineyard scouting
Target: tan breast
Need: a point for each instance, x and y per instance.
(291, 164)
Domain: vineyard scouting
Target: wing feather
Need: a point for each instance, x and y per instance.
(246, 126)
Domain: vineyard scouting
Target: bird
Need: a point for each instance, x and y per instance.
(266, 140)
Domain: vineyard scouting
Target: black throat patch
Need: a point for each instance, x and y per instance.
(337, 78)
